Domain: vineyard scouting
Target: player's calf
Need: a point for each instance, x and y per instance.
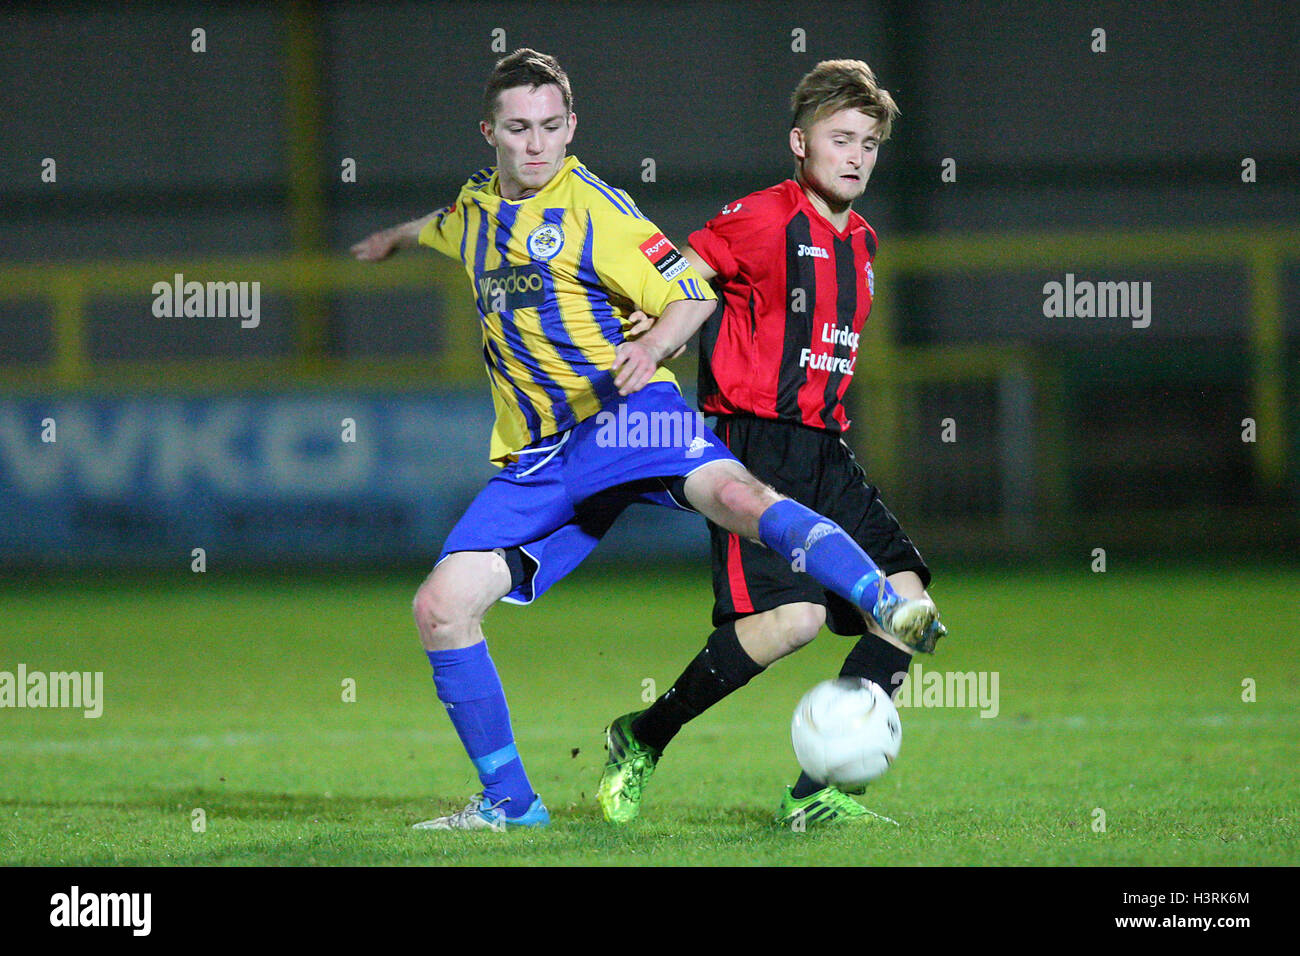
(449, 609)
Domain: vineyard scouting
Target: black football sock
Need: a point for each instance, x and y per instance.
(806, 786)
(878, 661)
(722, 667)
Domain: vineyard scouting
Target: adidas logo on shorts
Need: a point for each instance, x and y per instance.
(698, 444)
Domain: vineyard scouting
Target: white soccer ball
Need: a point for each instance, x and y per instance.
(846, 732)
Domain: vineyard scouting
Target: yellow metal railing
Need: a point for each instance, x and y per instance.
(67, 289)
(305, 175)
(1260, 252)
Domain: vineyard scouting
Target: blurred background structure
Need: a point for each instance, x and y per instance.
(255, 143)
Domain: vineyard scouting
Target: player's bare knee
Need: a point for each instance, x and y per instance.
(445, 615)
(450, 605)
(800, 623)
(437, 615)
(745, 496)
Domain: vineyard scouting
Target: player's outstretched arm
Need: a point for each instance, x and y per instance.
(382, 244)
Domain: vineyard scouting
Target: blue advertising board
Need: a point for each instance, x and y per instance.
(264, 478)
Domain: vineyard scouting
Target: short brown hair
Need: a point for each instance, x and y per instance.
(835, 85)
(525, 67)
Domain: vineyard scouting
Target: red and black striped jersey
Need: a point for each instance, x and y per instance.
(796, 293)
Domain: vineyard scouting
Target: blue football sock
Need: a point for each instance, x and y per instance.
(470, 689)
(823, 549)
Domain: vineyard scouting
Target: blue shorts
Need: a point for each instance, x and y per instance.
(564, 492)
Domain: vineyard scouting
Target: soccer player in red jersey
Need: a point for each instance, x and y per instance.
(793, 264)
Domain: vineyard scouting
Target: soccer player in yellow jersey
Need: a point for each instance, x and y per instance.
(587, 422)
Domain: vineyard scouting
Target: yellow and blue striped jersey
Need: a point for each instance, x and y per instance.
(556, 276)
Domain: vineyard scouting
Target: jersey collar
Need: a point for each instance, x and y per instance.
(492, 186)
(855, 222)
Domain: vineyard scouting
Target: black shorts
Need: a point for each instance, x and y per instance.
(815, 468)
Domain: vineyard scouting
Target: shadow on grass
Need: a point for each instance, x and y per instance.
(257, 828)
(288, 807)
(242, 804)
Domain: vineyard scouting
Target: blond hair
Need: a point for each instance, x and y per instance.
(834, 85)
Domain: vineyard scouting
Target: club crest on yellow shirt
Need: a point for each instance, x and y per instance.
(546, 241)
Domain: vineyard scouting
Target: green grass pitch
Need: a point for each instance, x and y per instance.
(1119, 692)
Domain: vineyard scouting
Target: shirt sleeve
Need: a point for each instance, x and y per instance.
(634, 259)
(444, 231)
(724, 237)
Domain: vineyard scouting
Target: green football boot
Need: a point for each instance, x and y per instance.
(628, 767)
(828, 805)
